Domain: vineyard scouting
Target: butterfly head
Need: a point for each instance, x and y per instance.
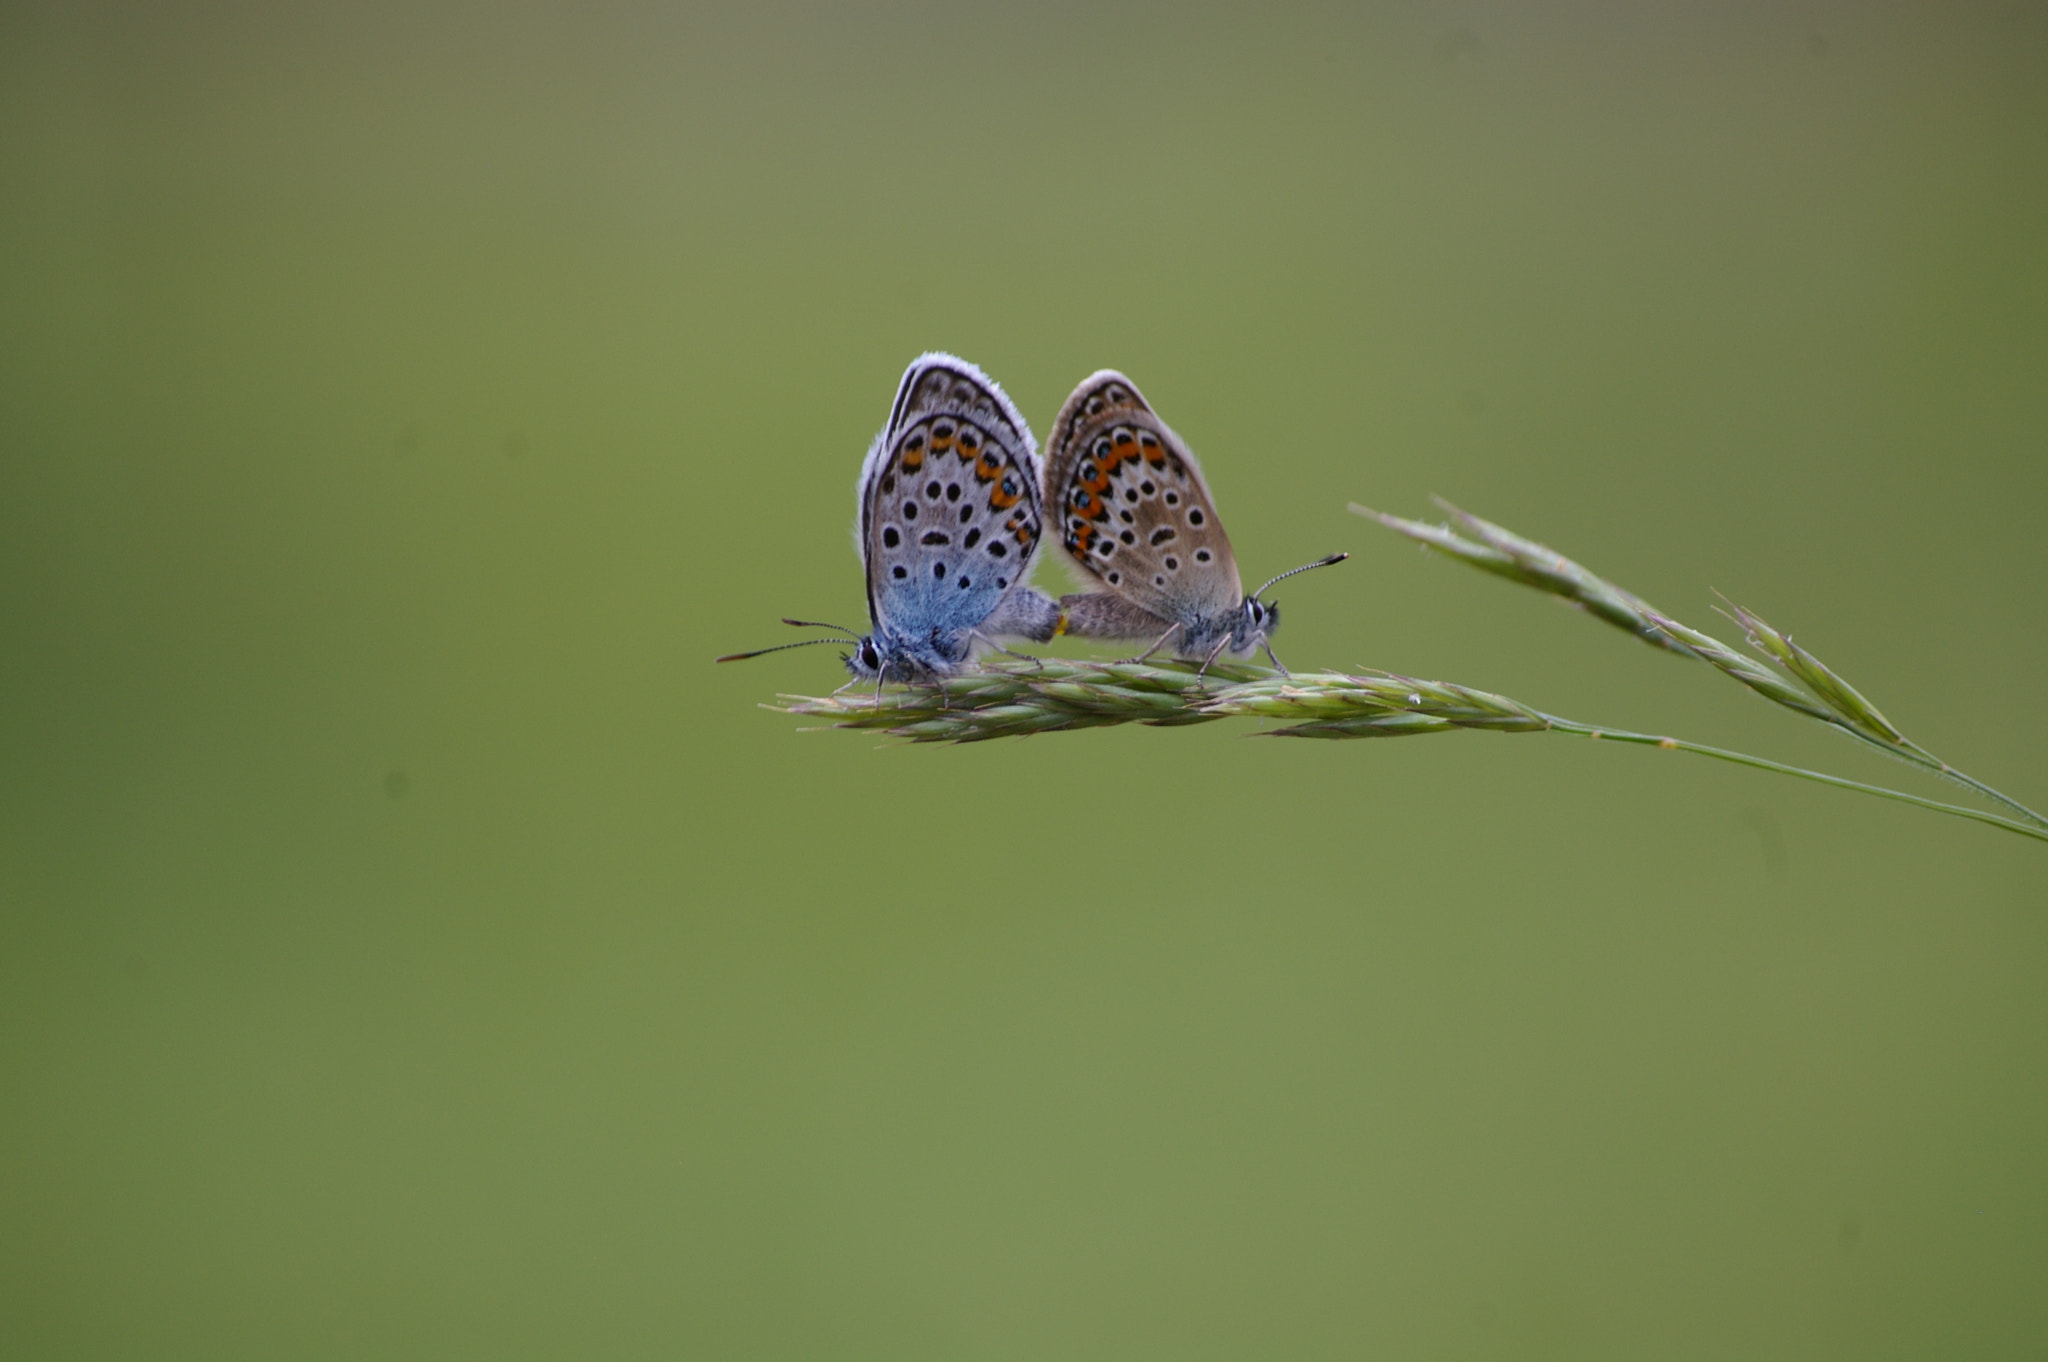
(1255, 624)
(914, 659)
(865, 661)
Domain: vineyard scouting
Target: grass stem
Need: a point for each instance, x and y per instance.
(1016, 699)
(1008, 700)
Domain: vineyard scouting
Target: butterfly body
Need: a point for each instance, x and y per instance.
(1135, 514)
(949, 527)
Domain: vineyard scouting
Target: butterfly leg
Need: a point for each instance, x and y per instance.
(1036, 663)
(1277, 664)
(1157, 644)
(1214, 653)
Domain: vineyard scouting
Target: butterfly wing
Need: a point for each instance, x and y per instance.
(950, 514)
(1135, 515)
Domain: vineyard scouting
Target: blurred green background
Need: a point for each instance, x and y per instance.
(413, 946)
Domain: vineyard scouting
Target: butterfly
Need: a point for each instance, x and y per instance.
(949, 524)
(1136, 516)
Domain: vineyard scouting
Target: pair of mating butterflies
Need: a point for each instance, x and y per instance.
(952, 507)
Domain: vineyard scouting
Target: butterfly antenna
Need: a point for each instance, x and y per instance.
(778, 648)
(1305, 567)
(851, 637)
(814, 624)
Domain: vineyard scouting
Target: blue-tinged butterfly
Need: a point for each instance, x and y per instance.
(1136, 516)
(950, 517)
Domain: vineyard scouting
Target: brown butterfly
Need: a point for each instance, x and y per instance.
(1135, 515)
